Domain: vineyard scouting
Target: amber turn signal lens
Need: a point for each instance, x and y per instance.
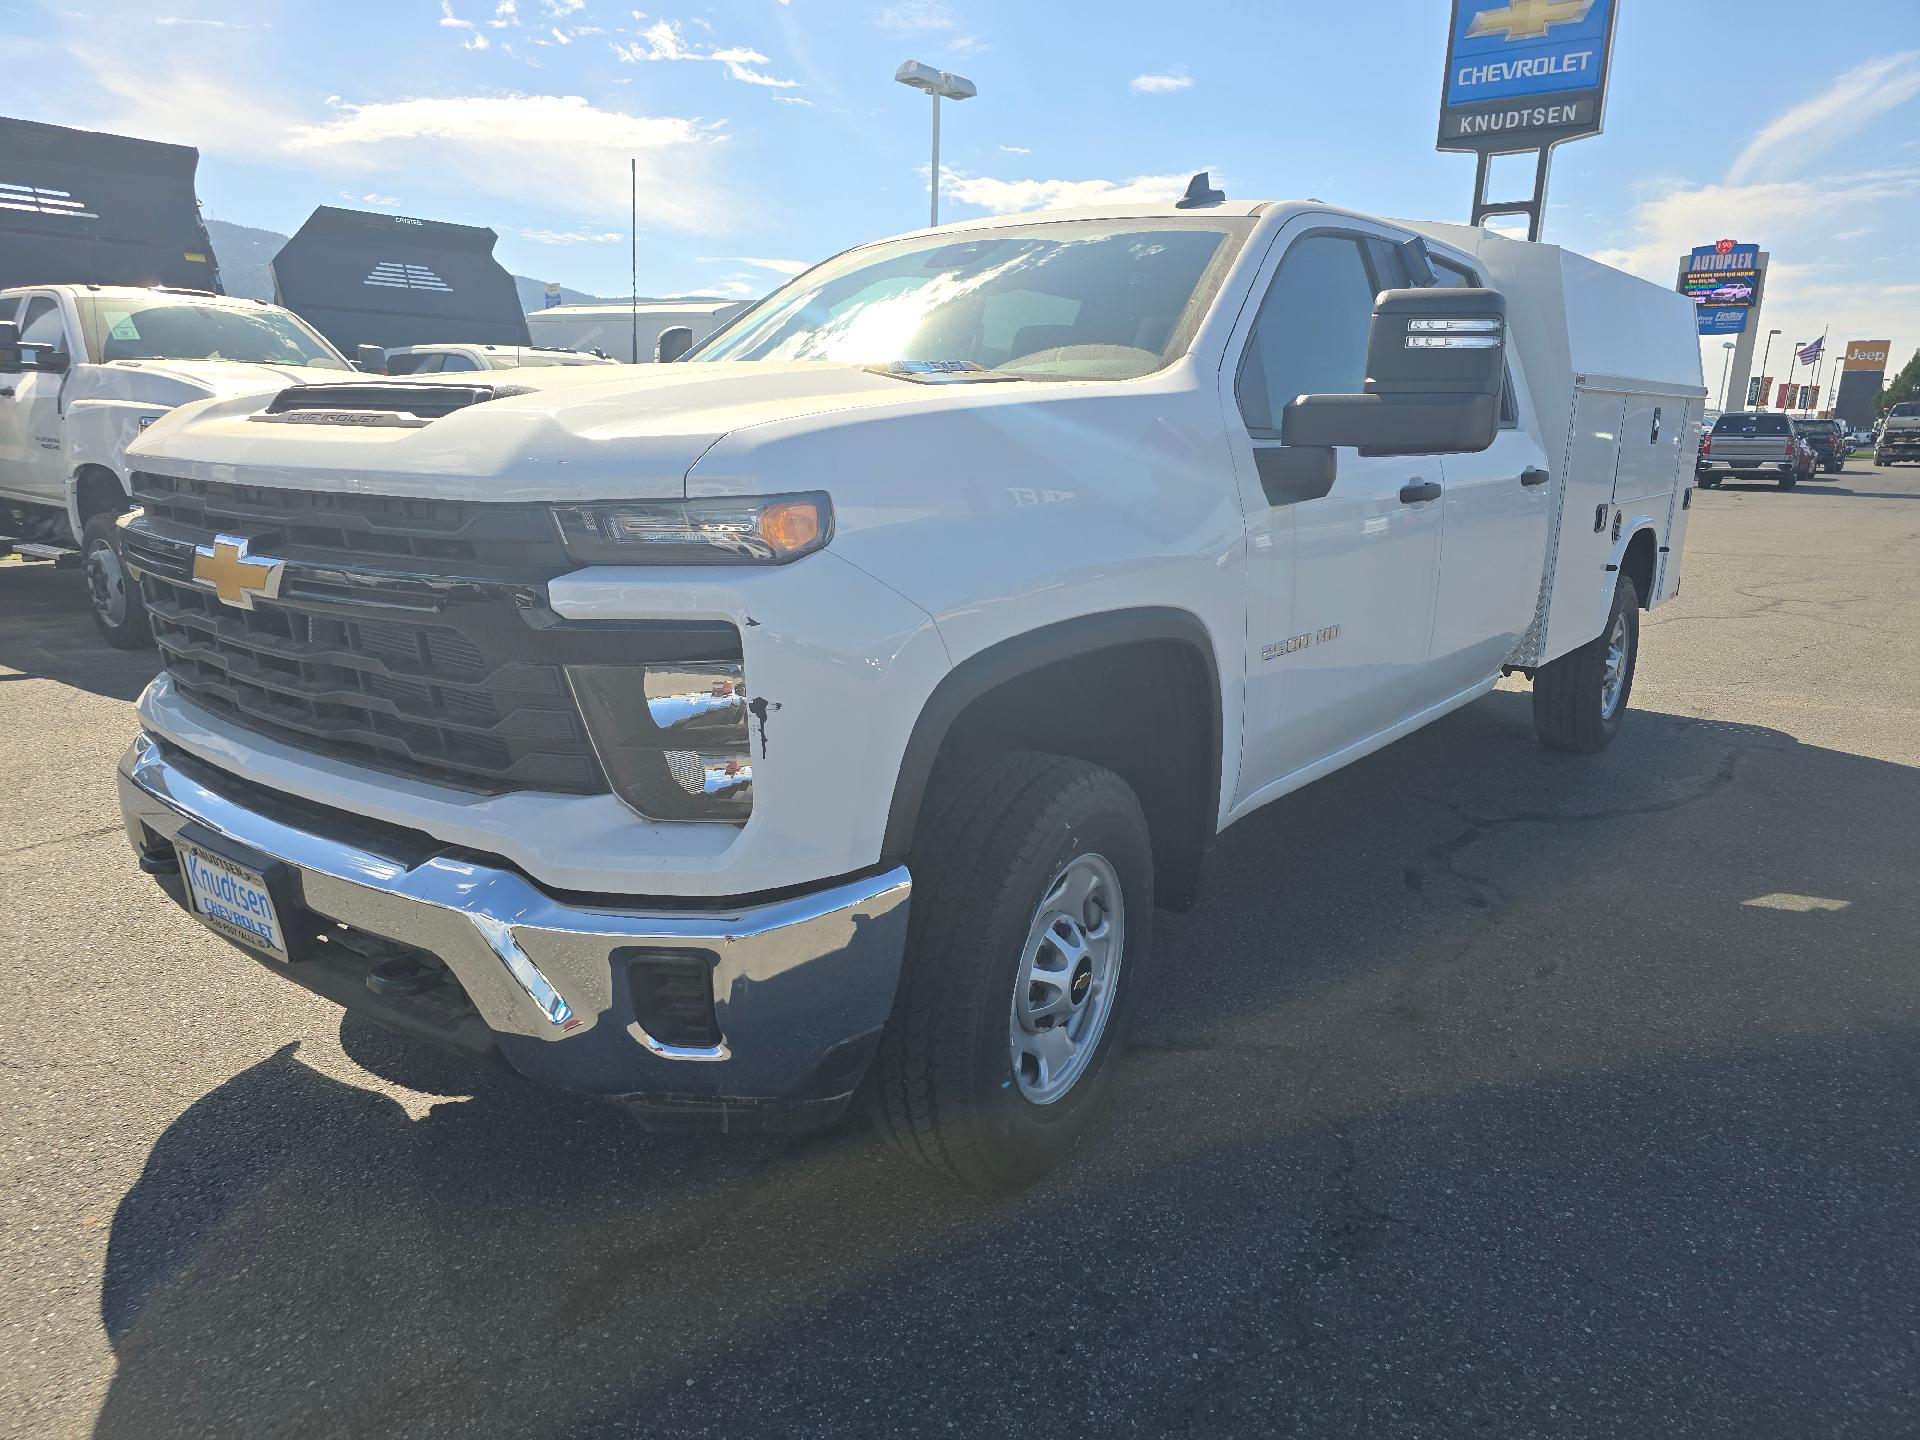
(790, 526)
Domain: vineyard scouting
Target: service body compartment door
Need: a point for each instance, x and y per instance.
(1580, 594)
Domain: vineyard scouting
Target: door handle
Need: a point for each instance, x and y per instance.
(1533, 475)
(1415, 491)
(6, 394)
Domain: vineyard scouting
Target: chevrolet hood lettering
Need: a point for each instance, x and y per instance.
(237, 576)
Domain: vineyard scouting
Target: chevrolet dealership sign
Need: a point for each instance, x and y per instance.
(1525, 74)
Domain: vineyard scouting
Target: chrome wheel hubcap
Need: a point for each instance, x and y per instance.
(1614, 681)
(107, 584)
(1069, 973)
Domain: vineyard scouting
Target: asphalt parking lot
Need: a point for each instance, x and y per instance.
(1490, 1092)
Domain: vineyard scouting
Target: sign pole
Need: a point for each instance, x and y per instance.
(1522, 77)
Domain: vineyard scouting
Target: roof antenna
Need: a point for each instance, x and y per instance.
(1200, 192)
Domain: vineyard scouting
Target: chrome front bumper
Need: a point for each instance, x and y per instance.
(802, 985)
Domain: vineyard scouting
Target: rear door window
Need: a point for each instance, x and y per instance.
(1753, 425)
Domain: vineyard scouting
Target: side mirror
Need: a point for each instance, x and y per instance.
(9, 347)
(674, 343)
(1436, 366)
(49, 361)
(370, 358)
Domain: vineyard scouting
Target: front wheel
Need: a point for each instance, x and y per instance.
(1580, 699)
(119, 614)
(1032, 914)
(1787, 482)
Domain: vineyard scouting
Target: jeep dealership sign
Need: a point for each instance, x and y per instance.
(1525, 74)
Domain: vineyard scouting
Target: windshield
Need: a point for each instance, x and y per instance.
(1752, 425)
(1072, 300)
(1903, 412)
(119, 328)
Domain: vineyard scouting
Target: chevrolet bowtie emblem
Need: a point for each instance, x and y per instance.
(1528, 19)
(236, 577)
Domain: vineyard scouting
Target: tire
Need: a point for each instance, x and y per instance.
(1570, 695)
(119, 614)
(1709, 482)
(945, 1087)
(1787, 482)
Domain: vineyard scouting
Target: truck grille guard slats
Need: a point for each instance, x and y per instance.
(371, 651)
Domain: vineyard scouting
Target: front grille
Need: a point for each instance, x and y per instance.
(483, 540)
(400, 638)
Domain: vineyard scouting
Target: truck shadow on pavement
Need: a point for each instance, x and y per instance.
(1488, 1091)
(46, 632)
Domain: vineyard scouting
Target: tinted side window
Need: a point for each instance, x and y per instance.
(1449, 276)
(456, 362)
(1311, 334)
(41, 325)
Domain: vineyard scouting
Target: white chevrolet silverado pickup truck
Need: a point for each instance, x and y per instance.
(85, 368)
(826, 715)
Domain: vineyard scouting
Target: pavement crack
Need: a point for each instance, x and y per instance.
(61, 840)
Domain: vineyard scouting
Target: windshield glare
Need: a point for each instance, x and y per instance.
(123, 329)
(1077, 300)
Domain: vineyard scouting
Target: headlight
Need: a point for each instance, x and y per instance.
(674, 739)
(759, 530)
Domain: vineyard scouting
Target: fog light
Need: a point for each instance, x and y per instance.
(673, 739)
(672, 993)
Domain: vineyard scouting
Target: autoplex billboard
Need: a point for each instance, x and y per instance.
(1523, 74)
(1722, 280)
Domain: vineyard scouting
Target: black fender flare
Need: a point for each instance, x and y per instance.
(1025, 654)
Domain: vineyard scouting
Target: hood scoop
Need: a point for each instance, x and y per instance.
(378, 406)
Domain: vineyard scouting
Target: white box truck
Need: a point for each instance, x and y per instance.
(825, 717)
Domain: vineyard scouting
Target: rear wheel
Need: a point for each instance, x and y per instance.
(118, 612)
(1032, 910)
(1787, 482)
(1580, 699)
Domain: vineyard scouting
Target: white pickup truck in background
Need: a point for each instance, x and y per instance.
(83, 370)
(827, 715)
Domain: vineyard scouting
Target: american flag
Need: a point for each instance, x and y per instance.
(1810, 354)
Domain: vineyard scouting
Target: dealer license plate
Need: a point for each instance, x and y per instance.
(231, 900)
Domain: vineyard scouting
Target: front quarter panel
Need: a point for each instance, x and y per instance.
(1003, 508)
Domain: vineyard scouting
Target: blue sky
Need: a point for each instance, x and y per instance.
(769, 132)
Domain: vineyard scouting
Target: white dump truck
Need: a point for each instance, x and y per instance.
(83, 370)
(825, 717)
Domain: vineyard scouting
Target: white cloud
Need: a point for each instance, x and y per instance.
(383, 202)
(1809, 289)
(561, 8)
(1853, 103)
(171, 20)
(1016, 150)
(929, 18)
(475, 41)
(573, 152)
(788, 268)
(1161, 84)
(505, 14)
(916, 15)
(792, 100)
(1006, 197)
(571, 237)
(451, 21)
(662, 40)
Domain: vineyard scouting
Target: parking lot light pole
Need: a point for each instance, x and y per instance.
(1764, 377)
(940, 84)
(1726, 362)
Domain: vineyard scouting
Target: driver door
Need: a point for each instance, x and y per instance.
(33, 462)
(1341, 609)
